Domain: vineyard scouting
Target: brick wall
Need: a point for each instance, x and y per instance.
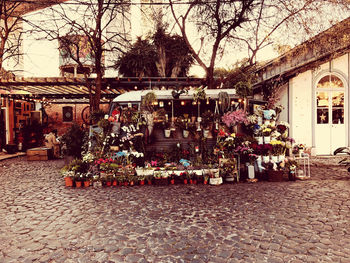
(55, 113)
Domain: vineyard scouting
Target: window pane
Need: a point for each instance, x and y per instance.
(338, 116)
(336, 82)
(322, 116)
(338, 107)
(322, 99)
(324, 83)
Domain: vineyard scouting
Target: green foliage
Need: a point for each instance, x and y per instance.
(148, 101)
(73, 140)
(139, 60)
(97, 115)
(161, 55)
(240, 77)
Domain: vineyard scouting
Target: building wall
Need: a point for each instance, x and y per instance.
(55, 114)
(300, 114)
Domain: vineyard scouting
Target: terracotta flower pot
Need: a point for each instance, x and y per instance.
(77, 184)
(108, 183)
(86, 183)
(68, 181)
(191, 181)
(185, 181)
(115, 183)
(142, 182)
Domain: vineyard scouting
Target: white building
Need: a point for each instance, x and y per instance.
(42, 56)
(313, 80)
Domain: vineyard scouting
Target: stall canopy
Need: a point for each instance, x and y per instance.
(76, 90)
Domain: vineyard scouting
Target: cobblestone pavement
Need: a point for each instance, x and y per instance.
(43, 221)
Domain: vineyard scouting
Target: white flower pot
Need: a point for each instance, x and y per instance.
(215, 181)
(274, 158)
(185, 133)
(205, 133)
(167, 133)
(281, 158)
(251, 172)
(260, 139)
(266, 159)
(267, 139)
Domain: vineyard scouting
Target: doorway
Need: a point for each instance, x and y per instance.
(330, 130)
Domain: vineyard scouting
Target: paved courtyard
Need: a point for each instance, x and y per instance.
(43, 221)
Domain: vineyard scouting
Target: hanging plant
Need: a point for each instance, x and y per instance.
(224, 101)
(149, 100)
(199, 94)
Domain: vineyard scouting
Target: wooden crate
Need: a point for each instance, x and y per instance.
(38, 154)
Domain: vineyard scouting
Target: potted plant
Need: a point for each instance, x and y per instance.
(206, 178)
(149, 178)
(266, 134)
(215, 178)
(207, 119)
(141, 179)
(291, 165)
(73, 141)
(149, 100)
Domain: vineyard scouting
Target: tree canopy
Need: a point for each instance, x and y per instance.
(230, 26)
(160, 55)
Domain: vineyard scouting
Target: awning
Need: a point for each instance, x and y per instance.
(76, 90)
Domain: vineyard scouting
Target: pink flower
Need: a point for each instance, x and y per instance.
(234, 117)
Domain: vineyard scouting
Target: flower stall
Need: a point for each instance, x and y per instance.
(183, 137)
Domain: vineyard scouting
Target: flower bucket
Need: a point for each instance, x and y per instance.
(266, 159)
(215, 181)
(281, 158)
(115, 183)
(167, 133)
(274, 158)
(68, 181)
(78, 184)
(260, 139)
(251, 172)
(185, 133)
(205, 133)
(267, 139)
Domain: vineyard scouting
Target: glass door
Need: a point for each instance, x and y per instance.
(330, 130)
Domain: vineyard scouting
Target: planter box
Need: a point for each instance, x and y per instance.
(277, 176)
(215, 181)
(38, 154)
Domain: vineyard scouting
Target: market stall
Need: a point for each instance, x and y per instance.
(186, 136)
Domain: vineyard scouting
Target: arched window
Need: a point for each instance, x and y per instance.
(330, 100)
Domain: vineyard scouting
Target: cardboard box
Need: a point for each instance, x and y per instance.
(38, 154)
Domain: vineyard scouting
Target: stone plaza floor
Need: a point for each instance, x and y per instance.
(43, 221)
